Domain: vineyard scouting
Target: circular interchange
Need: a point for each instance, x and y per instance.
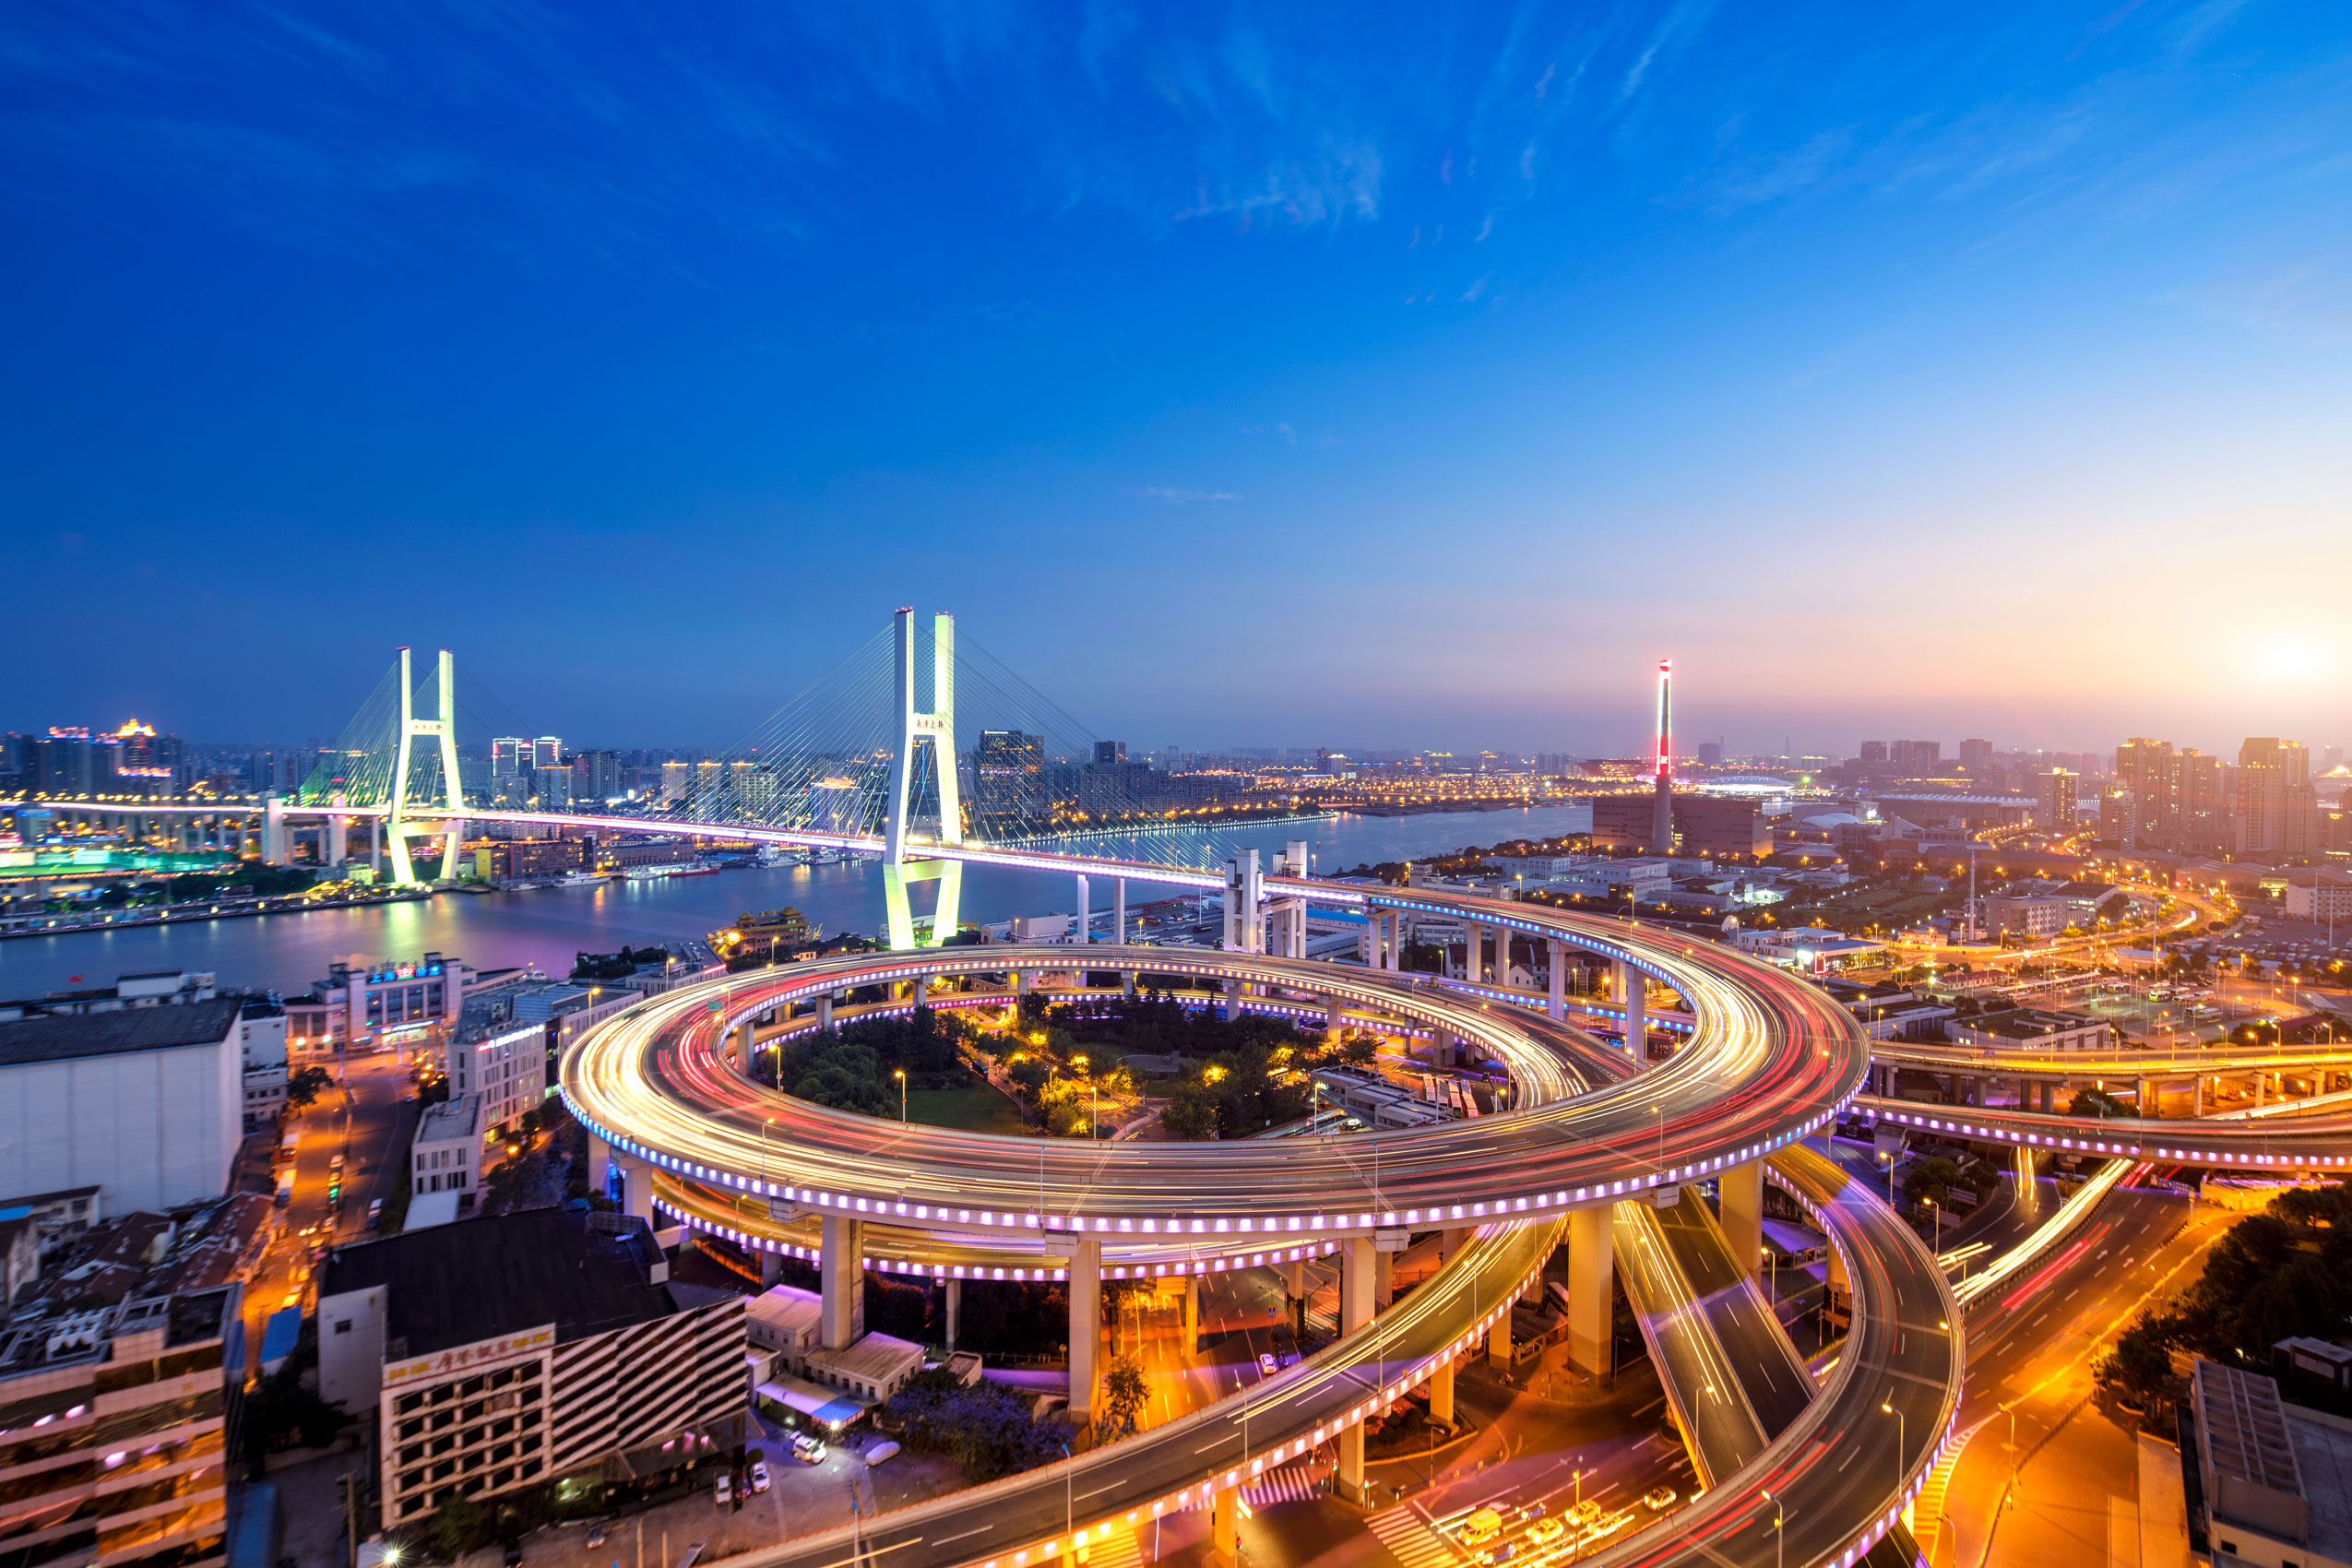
(1769, 1058)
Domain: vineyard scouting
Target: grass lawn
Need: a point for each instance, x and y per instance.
(979, 1109)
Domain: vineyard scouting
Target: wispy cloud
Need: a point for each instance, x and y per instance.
(1181, 497)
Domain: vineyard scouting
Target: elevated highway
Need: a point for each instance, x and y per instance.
(1770, 1060)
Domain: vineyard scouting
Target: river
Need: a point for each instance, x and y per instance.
(546, 926)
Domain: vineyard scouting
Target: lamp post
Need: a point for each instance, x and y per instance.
(1902, 1438)
(900, 1074)
(1779, 1530)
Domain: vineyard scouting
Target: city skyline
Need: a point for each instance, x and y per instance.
(1776, 344)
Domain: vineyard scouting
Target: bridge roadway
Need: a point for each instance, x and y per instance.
(1772, 1057)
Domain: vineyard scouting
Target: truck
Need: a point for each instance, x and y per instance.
(285, 1186)
(1481, 1526)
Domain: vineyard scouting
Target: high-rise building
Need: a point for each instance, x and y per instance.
(2277, 810)
(1008, 783)
(1873, 754)
(509, 754)
(2151, 773)
(2119, 816)
(1110, 751)
(1916, 757)
(1710, 753)
(553, 787)
(2205, 803)
(677, 781)
(547, 751)
(2054, 805)
(1976, 755)
(596, 775)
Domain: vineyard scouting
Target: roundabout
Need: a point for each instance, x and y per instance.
(666, 1091)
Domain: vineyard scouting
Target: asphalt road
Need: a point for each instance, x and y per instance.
(2032, 1350)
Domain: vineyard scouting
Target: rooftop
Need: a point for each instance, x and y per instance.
(479, 1279)
(69, 1037)
(452, 1121)
(876, 1358)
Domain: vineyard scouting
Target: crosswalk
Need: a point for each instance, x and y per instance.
(1291, 1483)
(1405, 1532)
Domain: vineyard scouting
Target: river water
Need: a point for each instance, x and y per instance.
(548, 925)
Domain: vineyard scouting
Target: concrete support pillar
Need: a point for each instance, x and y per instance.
(1441, 1047)
(1556, 1003)
(1740, 1191)
(922, 990)
(841, 1275)
(1225, 1521)
(1331, 1020)
(2197, 1096)
(1383, 1281)
(1357, 1275)
(1631, 996)
(1498, 1343)
(1232, 999)
(1118, 910)
(2144, 1099)
(955, 1310)
(1192, 1312)
(1021, 982)
(636, 1188)
(1592, 1276)
(1440, 1392)
(743, 1048)
(2260, 1083)
(771, 1268)
(599, 1164)
(825, 1012)
(1086, 1323)
(1083, 933)
(375, 844)
(339, 834)
(1294, 1281)
(1127, 982)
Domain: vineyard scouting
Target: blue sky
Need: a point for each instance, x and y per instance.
(1241, 375)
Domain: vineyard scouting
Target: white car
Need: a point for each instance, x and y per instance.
(1266, 1364)
(722, 1491)
(759, 1475)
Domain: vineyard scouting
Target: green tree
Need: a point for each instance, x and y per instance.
(304, 1086)
(1123, 1393)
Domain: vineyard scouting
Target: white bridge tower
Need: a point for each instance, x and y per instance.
(936, 728)
(445, 728)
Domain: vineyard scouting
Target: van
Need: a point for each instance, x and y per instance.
(1483, 1526)
(881, 1452)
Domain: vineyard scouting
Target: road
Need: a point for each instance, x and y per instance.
(368, 1119)
(2032, 1349)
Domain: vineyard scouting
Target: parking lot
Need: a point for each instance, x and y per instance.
(801, 1500)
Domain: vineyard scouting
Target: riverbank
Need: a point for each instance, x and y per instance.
(132, 917)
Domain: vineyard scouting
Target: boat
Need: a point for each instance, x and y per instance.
(674, 867)
(579, 879)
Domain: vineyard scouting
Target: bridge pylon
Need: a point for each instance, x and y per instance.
(444, 729)
(935, 728)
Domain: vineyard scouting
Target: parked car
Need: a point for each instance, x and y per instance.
(1267, 1365)
(375, 1212)
(881, 1452)
(595, 1533)
(807, 1449)
(759, 1476)
(722, 1491)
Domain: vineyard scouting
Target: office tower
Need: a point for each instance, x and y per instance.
(1110, 751)
(1976, 755)
(547, 751)
(1008, 783)
(2204, 803)
(677, 781)
(1873, 754)
(2276, 809)
(2151, 773)
(2054, 799)
(1710, 753)
(508, 756)
(2119, 816)
(1916, 757)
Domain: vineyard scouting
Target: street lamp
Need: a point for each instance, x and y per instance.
(900, 1074)
(1779, 1529)
(1902, 1439)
